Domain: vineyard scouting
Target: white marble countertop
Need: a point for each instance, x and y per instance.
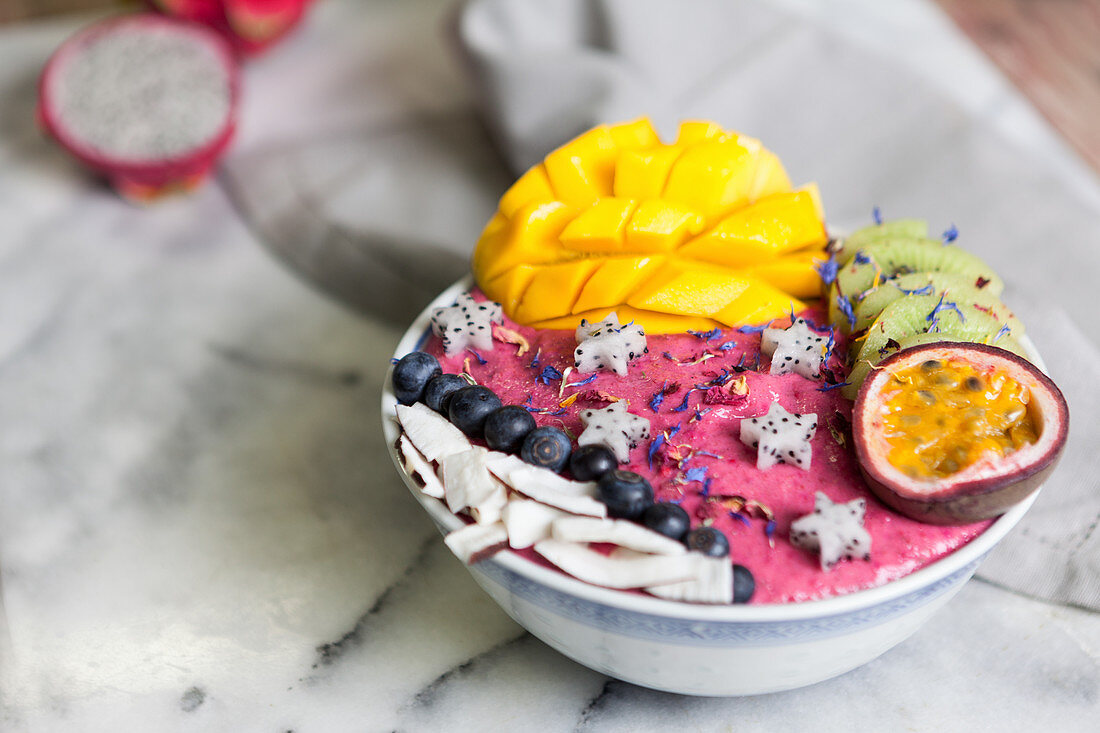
(199, 527)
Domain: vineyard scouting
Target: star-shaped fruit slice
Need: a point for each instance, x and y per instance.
(833, 530)
(795, 349)
(780, 437)
(615, 428)
(607, 345)
(466, 324)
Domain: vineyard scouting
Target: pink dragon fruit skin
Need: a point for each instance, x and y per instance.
(251, 26)
(141, 179)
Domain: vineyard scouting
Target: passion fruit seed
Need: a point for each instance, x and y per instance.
(970, 424)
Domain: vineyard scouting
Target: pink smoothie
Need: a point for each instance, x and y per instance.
(696, 458)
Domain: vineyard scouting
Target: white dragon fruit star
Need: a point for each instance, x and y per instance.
(780, 437)
(834, 530)
(466, 324)
(615, 428)
(607, 345)
(794, 349)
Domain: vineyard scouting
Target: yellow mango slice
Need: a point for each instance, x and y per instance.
(661, 225)
(508, 287)
(614, 280)
(751, 144)
(496, 225)
(761, 232)
(712, 177)
(638, 133)
(756, 303)
(650, 321)
(696, 131)
(642, 174)
(681, 234)
(770, 177)
(599, 228)
(794, 273)
(529, 238)
(532, 187)
(553, 290)
(689, 289)
(582, 170)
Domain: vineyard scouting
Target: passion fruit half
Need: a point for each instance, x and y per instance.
(953, 433)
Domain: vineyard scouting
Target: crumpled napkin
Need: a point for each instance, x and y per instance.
(866, 131)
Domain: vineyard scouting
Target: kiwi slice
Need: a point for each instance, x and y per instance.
(956, 288)
(863, 368)
(897, 229)
(876, 263)
(923, 319)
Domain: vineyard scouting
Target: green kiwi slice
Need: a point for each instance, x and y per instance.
(875, 263)
(956, 288)
(898, 229)
(863, 368)
(923, 319)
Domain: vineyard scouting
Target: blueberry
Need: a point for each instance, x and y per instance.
(589, 462)
(547, 447)
(667, 519)
(438, 391)
(411, 374)
(743, 584)
(506, 428)
(625, 493)
(708, 541)
(470, 406)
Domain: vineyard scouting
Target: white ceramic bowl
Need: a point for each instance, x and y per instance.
(698, 649)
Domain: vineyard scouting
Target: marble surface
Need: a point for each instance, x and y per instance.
(199, 529)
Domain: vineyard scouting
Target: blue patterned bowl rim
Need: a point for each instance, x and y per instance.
(930, 576)
(710, 633)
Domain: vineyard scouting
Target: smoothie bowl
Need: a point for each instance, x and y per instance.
(635, 425)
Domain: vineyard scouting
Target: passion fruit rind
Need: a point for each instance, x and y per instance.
(985, 489)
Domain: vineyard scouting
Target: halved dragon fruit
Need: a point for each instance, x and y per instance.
(250, 25)
(148, 101)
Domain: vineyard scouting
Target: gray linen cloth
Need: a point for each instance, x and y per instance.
(866, 131)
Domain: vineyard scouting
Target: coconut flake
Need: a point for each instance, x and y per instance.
(490, 508)
(525, 473)
(430, 432)
(529, 521)
(834, 530)
(471, 543)
(617, 532)
(468, 483)
(546, 486)
(416, 464)
(713, 584)
(619, 572)
(501, 464)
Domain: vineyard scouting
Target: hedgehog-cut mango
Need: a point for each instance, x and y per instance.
(705, 230)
